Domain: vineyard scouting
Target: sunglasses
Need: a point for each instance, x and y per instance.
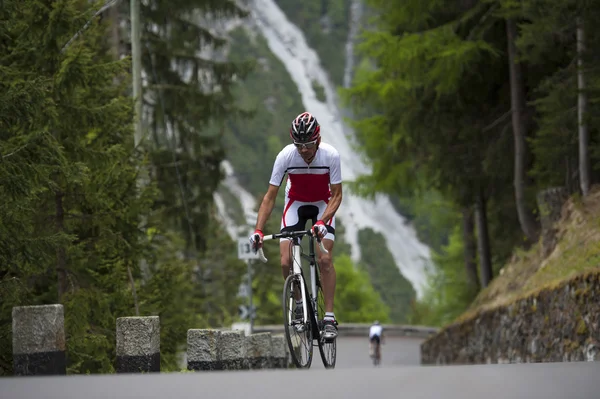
(310, 145)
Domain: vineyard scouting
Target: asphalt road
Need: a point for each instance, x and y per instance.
(354, 378)
(353, 352)
(514, 381)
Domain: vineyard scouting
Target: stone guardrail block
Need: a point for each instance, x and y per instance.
(203, 350)
(138, 344)
(279, 352)
(232, 350)
(259, 350)
(39, 340)
(39, 346)
(209, 349)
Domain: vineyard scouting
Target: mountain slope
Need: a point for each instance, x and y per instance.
(577, 250)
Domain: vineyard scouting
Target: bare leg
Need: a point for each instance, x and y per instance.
(286, 262)
(286, 257)
(327, 274)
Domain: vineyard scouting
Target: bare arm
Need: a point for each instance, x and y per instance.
(334, 202)
(266, 207)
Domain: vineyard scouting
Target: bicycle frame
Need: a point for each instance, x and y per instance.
(296, 267)
(297, 270)
(310, 308)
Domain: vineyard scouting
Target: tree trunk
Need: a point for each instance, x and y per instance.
(61, 253)
(133, 291)
(517, 96)
(115, 43)
(584, 137)
(470, 250)
(550, 203)
(113, 15)
(483, 240)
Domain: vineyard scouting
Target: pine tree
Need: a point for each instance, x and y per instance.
(438, 109)
(436, 87)
(71, 179)
(548, 44)
(188, 91)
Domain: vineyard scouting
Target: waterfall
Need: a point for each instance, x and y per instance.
(287, 42)
(247, 202)
(356, 9)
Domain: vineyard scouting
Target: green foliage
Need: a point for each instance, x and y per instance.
(189, 92)
(218, 275)
(432, 105)
(319, 91)
(70, 178)
(267, 284)
(377, 261)
(432, 100)
(356, 300)
(165, 292)
(431, 215)
(70, 216)
(554, 77)
(341, 246)
(448, 293)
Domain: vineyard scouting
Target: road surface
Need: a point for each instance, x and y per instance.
(400, 377)
(507, 381)
(353, 352)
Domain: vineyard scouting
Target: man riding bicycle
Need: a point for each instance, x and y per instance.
(313, 192)
(375, 339)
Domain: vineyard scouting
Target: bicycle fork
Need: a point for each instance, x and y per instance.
(297, 271)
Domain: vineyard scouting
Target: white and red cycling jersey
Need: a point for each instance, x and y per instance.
(307, 190)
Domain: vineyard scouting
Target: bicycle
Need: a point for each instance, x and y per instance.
(309, 327)
(376, 352)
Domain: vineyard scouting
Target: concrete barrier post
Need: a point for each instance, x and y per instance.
(279, 352)
(203, 350)
(232, 350)
(258, 350)
(39, 340)
(138, 344)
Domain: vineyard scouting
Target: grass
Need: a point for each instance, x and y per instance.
(577, 252)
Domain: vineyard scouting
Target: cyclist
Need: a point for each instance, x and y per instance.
(375, 339)
(313, 192)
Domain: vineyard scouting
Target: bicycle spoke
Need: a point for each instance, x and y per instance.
(298, 335)
(327, 348)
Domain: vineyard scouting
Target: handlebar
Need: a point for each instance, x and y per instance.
(288, 234)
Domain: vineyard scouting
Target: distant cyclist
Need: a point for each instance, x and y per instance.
(375, 341)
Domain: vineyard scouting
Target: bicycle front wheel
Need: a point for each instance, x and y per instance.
(298, 333)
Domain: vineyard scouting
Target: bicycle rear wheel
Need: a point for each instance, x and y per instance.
(299, 336)
(327, 348)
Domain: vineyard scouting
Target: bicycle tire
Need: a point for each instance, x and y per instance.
(298, 360)
(377, 356)
(327, 349)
